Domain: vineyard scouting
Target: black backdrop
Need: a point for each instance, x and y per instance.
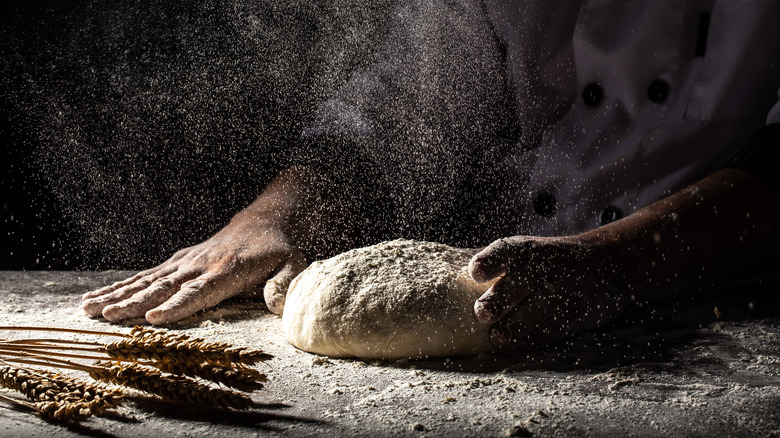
(131, 129)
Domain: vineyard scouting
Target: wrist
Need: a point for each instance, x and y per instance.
(620, 260)
(307, 207)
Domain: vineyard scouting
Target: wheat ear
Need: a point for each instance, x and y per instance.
(58, 398)
(176, 388)
(59, 411)
(236, 376)
(155, 344)
(110, 397)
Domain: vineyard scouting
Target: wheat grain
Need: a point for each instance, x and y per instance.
(176, 388)
(236, 376)
(64, 411)
(22, 381)
(211, 351)
(57, 397)
(59, 411)
(110, 397)
(159, 345)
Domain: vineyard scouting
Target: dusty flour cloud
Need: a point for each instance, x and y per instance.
(152, 122)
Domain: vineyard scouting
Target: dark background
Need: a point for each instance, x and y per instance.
(131, 130)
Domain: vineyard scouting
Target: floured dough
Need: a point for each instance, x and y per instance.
(397, 299)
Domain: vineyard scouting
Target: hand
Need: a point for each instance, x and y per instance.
(300, 208)
(235, 261)
(550, 288)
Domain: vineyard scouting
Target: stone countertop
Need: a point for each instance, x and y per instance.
(673, 371)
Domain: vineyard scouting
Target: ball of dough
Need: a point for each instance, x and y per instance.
(397, 299)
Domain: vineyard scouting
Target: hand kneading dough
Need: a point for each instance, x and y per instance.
(397, 299)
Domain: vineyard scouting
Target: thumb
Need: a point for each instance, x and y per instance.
(493, 261)
(275, 290)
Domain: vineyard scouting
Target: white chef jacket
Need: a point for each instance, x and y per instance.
(620, 102)
(717, 63)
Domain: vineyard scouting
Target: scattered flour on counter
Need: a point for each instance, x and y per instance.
(397, 299)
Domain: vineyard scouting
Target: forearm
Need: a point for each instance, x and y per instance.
(723, 227)
(308, 207)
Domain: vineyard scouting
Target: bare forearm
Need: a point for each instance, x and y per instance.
(723, 227)
(308, 207)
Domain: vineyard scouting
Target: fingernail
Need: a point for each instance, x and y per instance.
(485, 312)
(276, 304)
(111, 312)
(92, 308)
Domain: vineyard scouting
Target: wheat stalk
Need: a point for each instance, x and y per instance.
(177, 388)
(111, 397)
(60, 329)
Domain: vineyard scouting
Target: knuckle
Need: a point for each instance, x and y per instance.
(162, 283)
(199, 258)
(193, 285)
(142, 283)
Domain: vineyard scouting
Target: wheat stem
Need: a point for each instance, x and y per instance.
(61, 329)
(149, 343)
(46, 353)
(97, 349)
(48, 340)
(16, 402)
(48, 361)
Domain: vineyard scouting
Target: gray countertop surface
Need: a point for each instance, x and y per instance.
(674, 371)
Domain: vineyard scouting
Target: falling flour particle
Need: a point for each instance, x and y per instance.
(397, 299)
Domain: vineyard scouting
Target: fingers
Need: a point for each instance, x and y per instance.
(275, 291)
(157, 293)
(195, 295)
(496, 259)
(166, 267)
(217, 285)
(94, 304)
(117, 285)
(537, 323)
(515, 330)
(502, 297)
